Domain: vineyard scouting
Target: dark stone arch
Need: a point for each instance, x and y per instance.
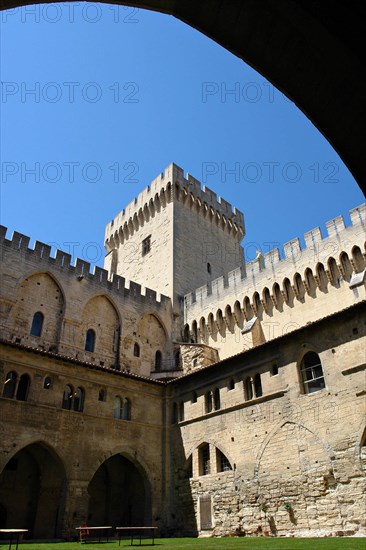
(299, 46)
(119, 494)
(33, 491)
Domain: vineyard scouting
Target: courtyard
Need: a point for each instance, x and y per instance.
(247, 543)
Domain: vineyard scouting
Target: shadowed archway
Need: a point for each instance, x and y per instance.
(33, 492)
(119, 494)
(311, 51)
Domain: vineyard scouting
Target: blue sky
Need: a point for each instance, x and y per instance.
(97, 100)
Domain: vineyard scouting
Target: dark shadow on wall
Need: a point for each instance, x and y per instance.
(119, 494)
(182, 519)
(33, 492)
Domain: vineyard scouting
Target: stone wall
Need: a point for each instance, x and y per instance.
(73, 301)
(295, 457)
(283, 294)
(75, 444)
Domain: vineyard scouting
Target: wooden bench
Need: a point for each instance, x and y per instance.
(85, 532)
(136, 532)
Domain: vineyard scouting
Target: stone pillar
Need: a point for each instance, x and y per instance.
(195, 464)
(213, 461)
(76, 509)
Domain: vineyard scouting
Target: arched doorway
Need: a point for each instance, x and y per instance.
(33, 491)
(119, 494)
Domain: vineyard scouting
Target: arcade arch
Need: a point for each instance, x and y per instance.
(33, 491)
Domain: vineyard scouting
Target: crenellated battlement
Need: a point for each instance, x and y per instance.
(267, 268)
(41, 254)
(172, 185)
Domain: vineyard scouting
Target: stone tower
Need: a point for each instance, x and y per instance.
(175, 236)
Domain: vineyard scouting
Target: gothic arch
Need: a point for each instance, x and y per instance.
(292, 451)
(120, 490)
(358, 259)
(153, 340)
(100, 315)
(39, 292)
(158, 319)
(37, 495)
(325, 446)
(209, 441)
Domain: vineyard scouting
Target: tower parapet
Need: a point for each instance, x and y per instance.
(269, 279)
(171, 185)
(179, 224)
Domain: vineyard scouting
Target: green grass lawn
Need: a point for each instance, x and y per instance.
(247, 543)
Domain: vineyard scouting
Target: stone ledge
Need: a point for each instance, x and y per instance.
(236, 407)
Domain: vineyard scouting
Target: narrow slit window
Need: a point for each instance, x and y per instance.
(146, 245)
(37, 324)
(158, 358)
(90, 340)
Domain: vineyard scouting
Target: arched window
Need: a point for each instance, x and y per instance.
(194, 332)
(238, 313)
(210, 323)
(309, 281)
(229, 318)
(67, 397)
(23, 387)
(217, 403)
(258, 385)
(322, 277)
(78, 400)
(334, 272)
(117, 407)
(204, 460)
(248, 312)
(126, 409)
(267, 299)
(223, 464)
(256, 302)
(37, 324)
(90, 340)
(186, 333)
(10, 384)
(248, 389)
(287, 290)
(220, 321)
(47, 383)
(346, 266)
(101, 395)
(203, 329)
(299, 286)
(312, 373)
(276, 291)
(136, 350)
(358, 259)
(177, 360)
(194, 397)
(208, 402)
(158, 360)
